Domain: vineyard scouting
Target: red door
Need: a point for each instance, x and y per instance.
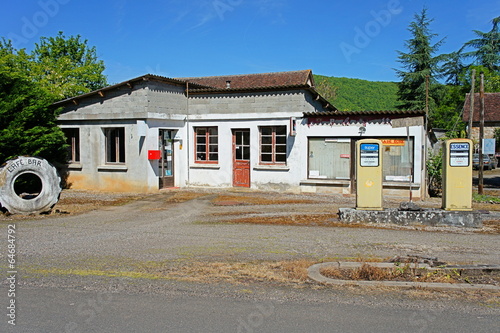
(241, 158)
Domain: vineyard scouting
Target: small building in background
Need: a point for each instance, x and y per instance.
(491, 114)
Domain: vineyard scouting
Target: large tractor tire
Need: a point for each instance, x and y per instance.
(29, 185)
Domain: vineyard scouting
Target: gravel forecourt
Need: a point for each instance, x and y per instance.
(229, 243)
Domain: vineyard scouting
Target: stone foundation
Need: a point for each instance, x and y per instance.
(431, 217)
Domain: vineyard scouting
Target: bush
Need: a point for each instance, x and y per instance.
(435, 174)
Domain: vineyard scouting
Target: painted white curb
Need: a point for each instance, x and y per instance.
(314, 274)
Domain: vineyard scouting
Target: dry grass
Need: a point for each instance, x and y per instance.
(309, 220)
(243, 199)
(79, 203)
(491, 227)
(331, 220)
(83, 205)
(184, 196)
(407, 273)
(370, 259)
(327, 220)
(286, 272)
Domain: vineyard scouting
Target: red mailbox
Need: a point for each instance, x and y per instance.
(153, 155)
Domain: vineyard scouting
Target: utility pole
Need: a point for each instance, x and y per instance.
(481, 136)
(427, 95)
(426, 137)
(471, 112)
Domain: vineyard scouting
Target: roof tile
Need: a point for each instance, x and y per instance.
(278, 79)
(491, 107)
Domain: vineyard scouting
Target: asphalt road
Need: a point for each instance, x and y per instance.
(54, 310)
(491, 179)
(152, 230)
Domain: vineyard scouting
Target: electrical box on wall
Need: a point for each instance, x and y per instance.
(154, 154)
(293, 126)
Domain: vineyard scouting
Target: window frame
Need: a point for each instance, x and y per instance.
(273, 145)
(117, 143)
(209, 143)
(340, 173)
(73, 141)
(386, 147)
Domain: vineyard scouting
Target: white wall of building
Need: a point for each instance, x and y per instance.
(261, 176)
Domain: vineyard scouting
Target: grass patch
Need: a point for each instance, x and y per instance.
(326, 220)
(305, 220)
(484, 198)
(258, 200)
(183, 196)
(491, 227)
(294, 271)
(409, 273)
(94, 272)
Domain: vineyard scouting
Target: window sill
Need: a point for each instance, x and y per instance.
(271, 167)
(205, 166)
(111, 167)
(75, 166)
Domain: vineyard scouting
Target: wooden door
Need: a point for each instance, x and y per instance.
(166, 163)
(241, 158)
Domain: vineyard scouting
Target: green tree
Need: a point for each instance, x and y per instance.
(487, 47)
(27, 123)
(418, 63)
(356, 95)
(67, 66)
(447, 114)
(453, 67)
(491, 79)
(17, 61)
(326, 88)
(58, 67)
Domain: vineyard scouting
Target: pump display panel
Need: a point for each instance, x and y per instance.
(369, 155)
(460, 154)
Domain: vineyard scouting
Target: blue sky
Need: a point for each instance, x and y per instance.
(180, 38)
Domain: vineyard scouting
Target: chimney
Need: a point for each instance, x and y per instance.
(228, 84)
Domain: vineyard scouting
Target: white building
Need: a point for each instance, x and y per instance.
(268, 131)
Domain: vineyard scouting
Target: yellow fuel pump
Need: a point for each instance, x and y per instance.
(369, 174)
(457, 175)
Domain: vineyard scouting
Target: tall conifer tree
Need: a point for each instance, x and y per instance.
(487, 47)
(417, 63)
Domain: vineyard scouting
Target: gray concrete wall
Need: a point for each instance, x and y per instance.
(165, 101)
(92, 173)
(296, 101)
(122, 103)
(145, 100)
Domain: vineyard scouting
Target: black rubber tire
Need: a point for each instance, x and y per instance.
(44, 201)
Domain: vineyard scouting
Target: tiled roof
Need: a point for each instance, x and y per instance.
(278, 81)
(491, 107)
(129, 83)
(366, 112)
(254, 81)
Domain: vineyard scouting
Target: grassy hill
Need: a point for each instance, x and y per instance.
(357, 95)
